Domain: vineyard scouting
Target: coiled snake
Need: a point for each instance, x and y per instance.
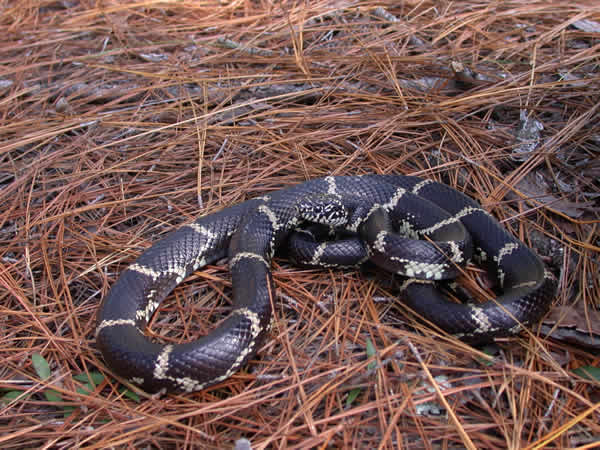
(386, 213)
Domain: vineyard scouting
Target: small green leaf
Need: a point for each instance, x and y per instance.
(86, 389)
(13, 395)
(130, 394)
(68, 410)
(588, 372)
(489, 350)
(352, 396)
(371, 352)
(53, 396)
(95, 378)
(41, 366)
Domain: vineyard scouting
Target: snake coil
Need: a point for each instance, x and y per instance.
(415, 227)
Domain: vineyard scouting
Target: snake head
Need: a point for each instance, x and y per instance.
(323, 209)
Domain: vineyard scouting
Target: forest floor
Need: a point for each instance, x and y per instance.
(121, 121)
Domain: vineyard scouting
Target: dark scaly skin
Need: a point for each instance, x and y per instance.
(206, 361)
(211, 359)
(526, 286)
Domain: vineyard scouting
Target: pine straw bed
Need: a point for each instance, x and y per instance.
(122, 121)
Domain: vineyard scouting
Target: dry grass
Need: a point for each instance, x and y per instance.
(121, 121)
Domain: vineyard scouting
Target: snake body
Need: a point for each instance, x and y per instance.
(418, 228)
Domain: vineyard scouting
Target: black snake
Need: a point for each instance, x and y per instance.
(383, 214)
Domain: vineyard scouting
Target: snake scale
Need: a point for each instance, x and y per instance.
(418, 228)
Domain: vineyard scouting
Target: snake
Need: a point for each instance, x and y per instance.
(420, 229)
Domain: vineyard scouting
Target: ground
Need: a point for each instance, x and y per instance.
(121, 121)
